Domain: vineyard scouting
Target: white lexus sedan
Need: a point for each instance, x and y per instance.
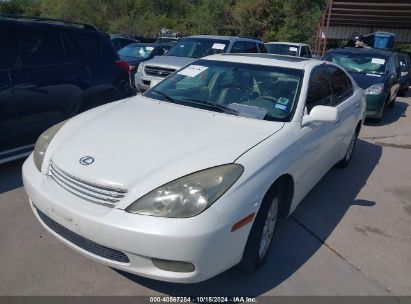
(189, 180)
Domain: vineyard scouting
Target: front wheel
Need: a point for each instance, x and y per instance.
(348, 155)
(261, 234)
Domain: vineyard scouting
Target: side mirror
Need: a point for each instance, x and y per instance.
(321, 114)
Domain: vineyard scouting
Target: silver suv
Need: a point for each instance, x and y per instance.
(187, 51)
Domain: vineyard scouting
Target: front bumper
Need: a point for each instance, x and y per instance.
(143, 82)
(206, 240)
(374, 105)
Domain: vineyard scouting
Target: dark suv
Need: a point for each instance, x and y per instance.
(51, 70)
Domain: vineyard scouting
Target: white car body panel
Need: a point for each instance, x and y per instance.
(140, 144)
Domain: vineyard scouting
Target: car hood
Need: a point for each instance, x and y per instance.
(173, 62)
(364, 81)
(146, 142)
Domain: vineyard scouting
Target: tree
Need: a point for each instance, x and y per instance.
(301, 18)
(20, 7)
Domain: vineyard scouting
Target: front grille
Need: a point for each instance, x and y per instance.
(82, 242)
(158, 71)
(98, 194)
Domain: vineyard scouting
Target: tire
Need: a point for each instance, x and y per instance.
(350, 151)
(262, 232)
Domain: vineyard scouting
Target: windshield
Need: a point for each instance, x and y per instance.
(254, 91)
(359, 63)
(138, 51)
(198, 47)
(282, 49)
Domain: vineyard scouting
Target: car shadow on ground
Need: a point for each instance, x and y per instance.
(10, 175)
(297, 238)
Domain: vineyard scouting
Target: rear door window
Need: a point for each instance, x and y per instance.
(303, 51)
(82, 46)
(36, 47)
(244, 47)
(341, 84)
(319, 90)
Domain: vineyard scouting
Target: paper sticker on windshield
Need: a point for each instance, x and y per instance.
(192, 70)
(283, 100)
(218, 46)
(293, 49)
(149, 48)
(280, 106)
(377, 60)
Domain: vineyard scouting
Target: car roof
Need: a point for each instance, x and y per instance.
(287, 43)
(267, 59)
(352, 50)
(219, 37)
(47, 23)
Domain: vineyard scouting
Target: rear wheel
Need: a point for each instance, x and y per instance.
(262, 232)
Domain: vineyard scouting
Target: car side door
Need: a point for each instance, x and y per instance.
(8, 134)
(317, 139)
(45, 86)
(348, 105)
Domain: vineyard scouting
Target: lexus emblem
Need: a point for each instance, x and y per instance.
(86, 160)
(160, 72)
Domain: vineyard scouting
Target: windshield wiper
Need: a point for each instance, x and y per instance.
(209, 104)
(167, 97)
(212, 105)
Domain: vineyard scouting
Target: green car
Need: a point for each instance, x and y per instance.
(376, 71)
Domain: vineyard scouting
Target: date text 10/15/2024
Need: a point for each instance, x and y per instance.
(170, 299)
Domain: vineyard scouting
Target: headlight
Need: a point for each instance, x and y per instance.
(188, 195)
(140, 68)
(375, 89)
(43, 142)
